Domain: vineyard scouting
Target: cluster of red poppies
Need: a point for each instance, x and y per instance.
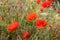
(31, 17)
(40, 24)
(45, 4)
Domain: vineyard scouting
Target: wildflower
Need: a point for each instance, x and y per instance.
(12, 27)
(52, 1)
(5, 3)
(32, 16)
(59, 11)
(2, 18)
(57, 16)
(41, 24)
(18, 2)
(44, 14)
(26, 35)
(42, 9)
(59, 27)
(46, 4)
(57, 31)
(38, 1)
(51, 27)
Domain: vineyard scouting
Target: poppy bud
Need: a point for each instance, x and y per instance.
(26, 35)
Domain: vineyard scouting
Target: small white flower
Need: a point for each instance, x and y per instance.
(51, 9)
(44, 14)
(57, 16)
(26, 9)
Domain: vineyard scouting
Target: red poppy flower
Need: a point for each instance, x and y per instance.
(32, 16)
(41, 23)
(12, 27)
(38, 1)
(59, 11)
(52, 1)
(46, 4)
(26, 35)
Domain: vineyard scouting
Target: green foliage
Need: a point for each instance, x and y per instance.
(18, 12)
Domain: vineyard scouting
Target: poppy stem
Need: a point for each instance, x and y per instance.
(10, 37)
